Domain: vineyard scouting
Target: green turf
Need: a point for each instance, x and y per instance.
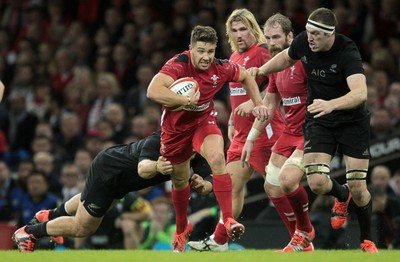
(190, 256)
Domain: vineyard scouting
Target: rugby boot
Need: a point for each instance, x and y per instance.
(179, 243)
(233, 228)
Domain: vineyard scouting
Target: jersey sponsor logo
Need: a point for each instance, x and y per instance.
(197, 108)
(318, 72)
(237, 91)
(214, 79)
(291, 101)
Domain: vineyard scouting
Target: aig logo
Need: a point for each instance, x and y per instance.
(318, 72)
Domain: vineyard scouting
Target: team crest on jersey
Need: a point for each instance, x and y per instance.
(304, 59)
(333, 68)
(292, 68)
(246, 59)
(214, 79)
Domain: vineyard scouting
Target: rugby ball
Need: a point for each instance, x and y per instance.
(185, 86)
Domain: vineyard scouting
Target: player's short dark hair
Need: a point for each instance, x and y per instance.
(279, 19)
(203, 34)
(324, 16)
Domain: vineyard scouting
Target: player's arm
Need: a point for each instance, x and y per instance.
(356, 96)
(276, 64)
(148, 168)
(201, 185)
(1, 90)
(158, 91)
(272, 100)
(250, 84)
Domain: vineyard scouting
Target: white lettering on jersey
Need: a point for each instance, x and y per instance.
(237, 91)
(197, 108)
(318, 72)
(291, 101)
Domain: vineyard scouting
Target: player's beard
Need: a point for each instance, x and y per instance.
(273, 51)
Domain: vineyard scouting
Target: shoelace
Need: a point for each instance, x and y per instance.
(341, 209)
(300, 239)
(206, 245)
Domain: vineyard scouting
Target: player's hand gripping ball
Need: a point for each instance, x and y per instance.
(185, 86)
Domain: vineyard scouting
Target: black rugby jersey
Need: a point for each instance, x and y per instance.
(327, 73)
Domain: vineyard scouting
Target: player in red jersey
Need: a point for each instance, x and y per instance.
(195, 127)
(249, 50)
(286, 168)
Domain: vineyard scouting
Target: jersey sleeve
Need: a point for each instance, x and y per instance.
(176, 66)
(352, 60)
(299, 43)
(232, 70)
(151, 147)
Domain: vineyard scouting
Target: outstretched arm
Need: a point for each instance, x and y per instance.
(277, 63)
(248, 82)
(272, 100)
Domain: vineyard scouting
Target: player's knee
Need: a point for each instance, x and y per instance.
(216, 161)
(272, 174)
(317, 177)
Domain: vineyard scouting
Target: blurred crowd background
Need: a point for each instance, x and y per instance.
(76, 74)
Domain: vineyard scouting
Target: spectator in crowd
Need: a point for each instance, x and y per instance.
(386, 215)
(83, 161)
(136, 99)
(107, 91)
(395, 182)
(69, 178)
(116, 116)
(135, 211)
(381, 124)
(44, 163)
(7, 185)
(158, 232)
(380, 177)
(70, 138)
(38, 198)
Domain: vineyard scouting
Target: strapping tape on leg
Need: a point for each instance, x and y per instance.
(356, 174)
(272, 174)
(317, 168)
(296, 161)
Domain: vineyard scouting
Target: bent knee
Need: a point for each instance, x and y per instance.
(318, 183)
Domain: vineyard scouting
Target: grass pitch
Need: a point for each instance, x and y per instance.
(191, 256)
